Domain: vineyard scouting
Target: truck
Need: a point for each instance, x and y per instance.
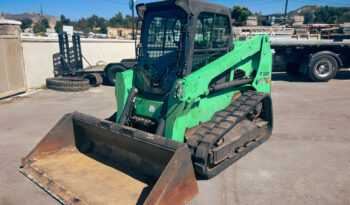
(319, 60)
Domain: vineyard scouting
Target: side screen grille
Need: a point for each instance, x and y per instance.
(239, 74)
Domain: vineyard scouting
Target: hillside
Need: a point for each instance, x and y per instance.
(320, 14)
(29, 15)
(306, 9)
(301, 11)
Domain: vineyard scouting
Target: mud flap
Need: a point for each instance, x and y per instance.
(85, 160)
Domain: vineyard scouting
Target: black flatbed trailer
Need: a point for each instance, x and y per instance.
(319, 60)
(68, 62)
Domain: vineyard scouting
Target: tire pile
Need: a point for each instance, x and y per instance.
(68, 84)
(74, 84)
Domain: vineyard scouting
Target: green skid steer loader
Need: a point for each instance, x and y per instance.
(195, 103)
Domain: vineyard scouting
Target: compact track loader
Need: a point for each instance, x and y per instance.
(195, 103)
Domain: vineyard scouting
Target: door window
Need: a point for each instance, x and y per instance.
(212, 32)
(204, 28)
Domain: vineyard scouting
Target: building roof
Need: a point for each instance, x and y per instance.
(9, 22)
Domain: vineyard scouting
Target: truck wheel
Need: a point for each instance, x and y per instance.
(112, 71)
(292, 69)
(322, 68)
(68, 84)
(95, 79)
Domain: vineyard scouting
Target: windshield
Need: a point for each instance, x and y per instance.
(160, 47)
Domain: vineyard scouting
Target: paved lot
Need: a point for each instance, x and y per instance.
(306, 161)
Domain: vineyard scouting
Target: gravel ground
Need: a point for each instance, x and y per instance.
(306, 160)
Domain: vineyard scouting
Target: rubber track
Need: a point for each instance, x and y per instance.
(204, 138)
(68, 84)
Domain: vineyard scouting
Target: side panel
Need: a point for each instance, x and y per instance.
(262, 81)
(123, 84)
(148, 108)
(197, 83)
(187, 115)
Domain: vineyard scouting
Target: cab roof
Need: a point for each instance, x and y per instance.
(191, 7)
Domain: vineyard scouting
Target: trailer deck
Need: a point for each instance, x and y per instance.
(318, 59)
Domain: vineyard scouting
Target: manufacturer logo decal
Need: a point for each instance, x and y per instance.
(152, 108)
(261, 82)
(264, 74)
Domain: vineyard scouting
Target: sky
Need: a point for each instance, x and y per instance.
(75, 9)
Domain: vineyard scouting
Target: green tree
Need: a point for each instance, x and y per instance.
(103, 29)
(240, 13)
(26, 23)
(92, 20)
(333, 20)
(82, 25)
(63, 21)
(261, 19)
(97, 22)
(41, 26)
(332, 15)
(321, 16)
(308, 18)
(127, 21)
(345, 17)
(117, 20)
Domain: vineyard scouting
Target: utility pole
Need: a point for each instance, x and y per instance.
(285, 10)
(41, 11)
(132, 19)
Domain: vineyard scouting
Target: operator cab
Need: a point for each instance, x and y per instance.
(179, 37)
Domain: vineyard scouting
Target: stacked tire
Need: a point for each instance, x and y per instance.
(95, 79)
(111, 71)
(319, 67)
(68, 84)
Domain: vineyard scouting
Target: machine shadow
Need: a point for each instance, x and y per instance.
(144, 194)
(282, 76)
(343, 75)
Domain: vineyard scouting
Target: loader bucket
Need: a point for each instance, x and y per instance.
(84, 160)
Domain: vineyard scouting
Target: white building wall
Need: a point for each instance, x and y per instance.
(37, 53)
